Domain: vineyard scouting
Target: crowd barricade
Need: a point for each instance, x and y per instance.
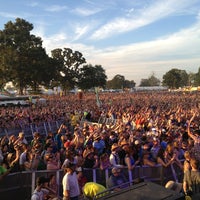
(107, 121)
(23, 183)
(43, 128)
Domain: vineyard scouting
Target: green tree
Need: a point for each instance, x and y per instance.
(129, 84)
(175, 78)
(22, 56)
(42, 69)
(69, 63)
(91, 77)
(195, 78)
(118, 82)
(151, 81)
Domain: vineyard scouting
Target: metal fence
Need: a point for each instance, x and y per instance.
(22, 184)
(43, 128)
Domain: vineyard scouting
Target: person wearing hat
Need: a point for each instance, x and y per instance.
(172, 185)
(71, 190)
(20, 139)
(117, 180)
(155, 148)
(91, 159)
(124, 146)
(114, 156)
(98, 143)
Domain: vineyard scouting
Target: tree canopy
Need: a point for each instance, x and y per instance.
(92, 76)
(151, 81)
(23, 60)
(119, 82)
(175, 78)
(195, 78)
(69, 63)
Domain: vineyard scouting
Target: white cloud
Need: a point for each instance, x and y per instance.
(55, 8)
(80, 30)
(139, 60)
(86, 11)
(156, 11)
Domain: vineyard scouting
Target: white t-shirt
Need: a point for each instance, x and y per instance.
(38, 195)
(22, 158)
(70, 182)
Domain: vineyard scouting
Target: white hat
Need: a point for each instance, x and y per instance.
(137, 142)
(177, 187)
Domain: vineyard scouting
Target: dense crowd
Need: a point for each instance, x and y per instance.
(146, 128)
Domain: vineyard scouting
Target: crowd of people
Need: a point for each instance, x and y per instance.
(147, 128)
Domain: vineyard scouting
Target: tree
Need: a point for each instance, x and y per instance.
(91, 77)
(118, 82)
(195, 78)
(129, 84)
(42, 69)
(69, 63)
(151, 81)
(175, 78)
(22, 55)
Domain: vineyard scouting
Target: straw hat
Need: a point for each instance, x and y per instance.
(124, 143)
(114, 146)
(87, 153)
(96, 136)
(137, 142)
(177, 187)
(21, 134)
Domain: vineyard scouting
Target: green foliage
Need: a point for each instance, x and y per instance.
(195, 78)
(119, 82)
(69, 63)
(91, 77)
(151, 81)
(129, 84)
(23, 58)
(175, 78)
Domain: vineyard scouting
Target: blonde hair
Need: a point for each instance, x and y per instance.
(187, 154)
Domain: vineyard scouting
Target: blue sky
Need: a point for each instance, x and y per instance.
(133, 38)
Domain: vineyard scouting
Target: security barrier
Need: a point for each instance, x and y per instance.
(42, 127)
(22, 184)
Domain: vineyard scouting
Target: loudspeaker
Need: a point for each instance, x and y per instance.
(144, 191)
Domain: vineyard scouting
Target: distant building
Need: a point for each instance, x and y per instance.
(149, 88)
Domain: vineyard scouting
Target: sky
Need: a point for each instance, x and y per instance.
(132, 38)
